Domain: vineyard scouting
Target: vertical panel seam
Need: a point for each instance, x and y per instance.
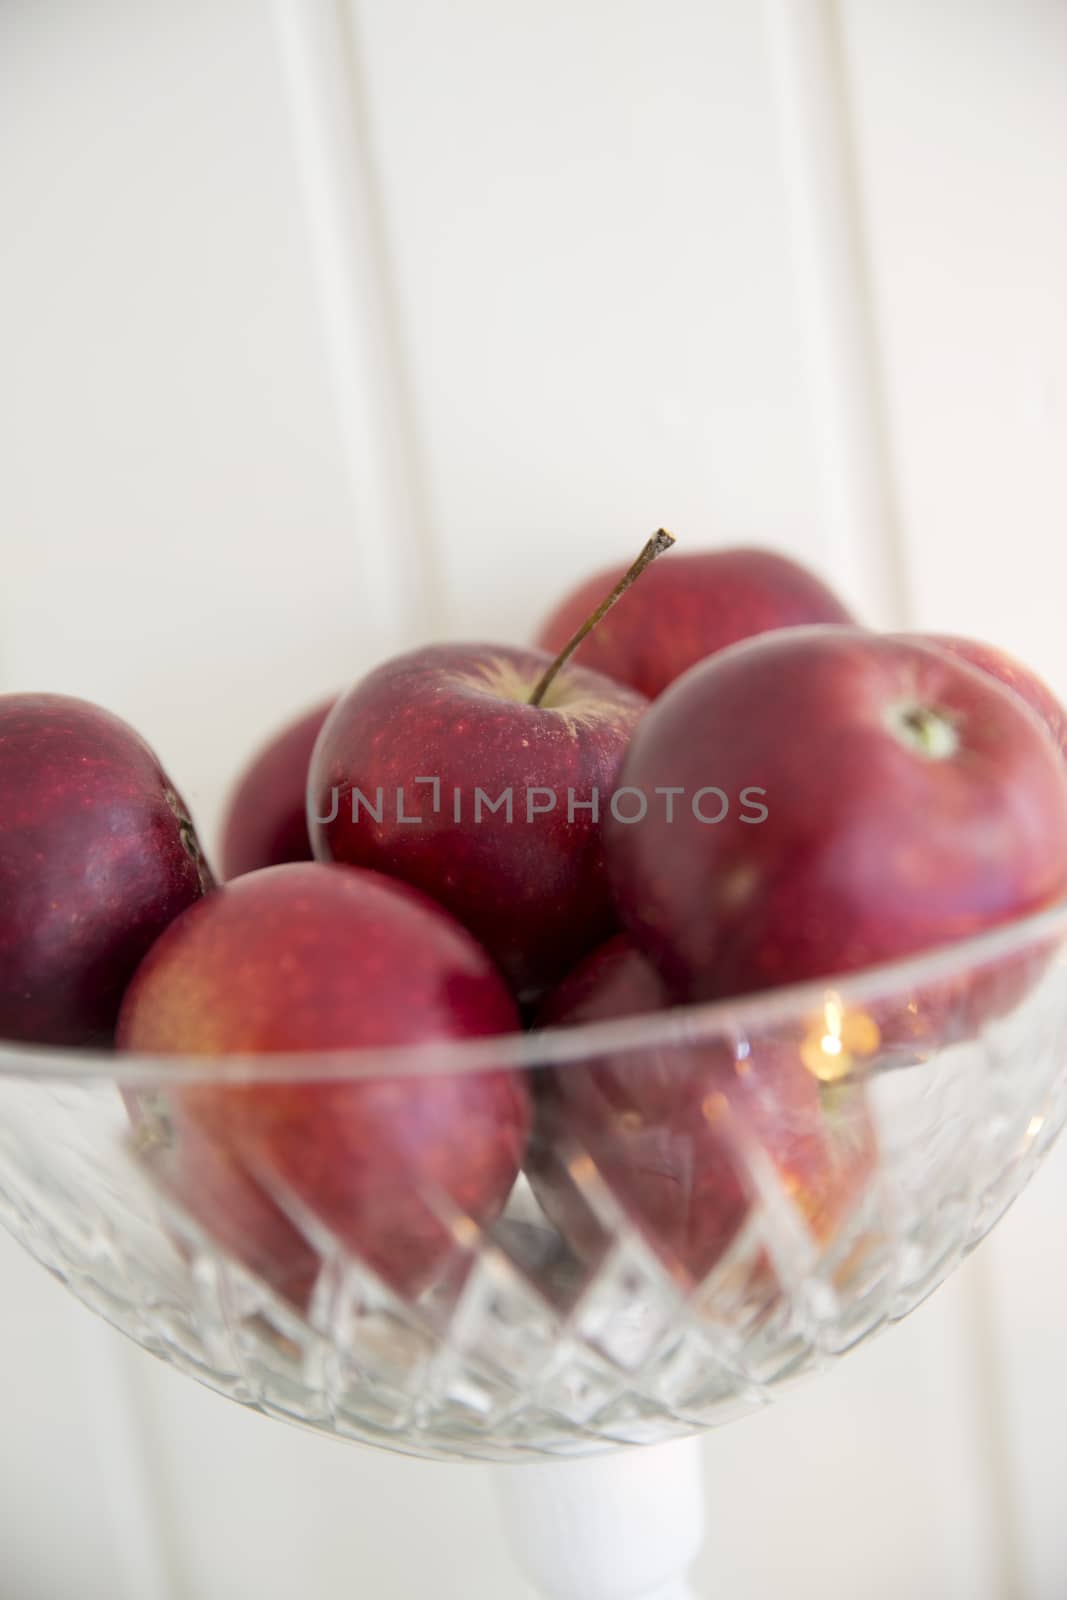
(837, 308)
(898, 551)
(360, 312)
(130, 1469)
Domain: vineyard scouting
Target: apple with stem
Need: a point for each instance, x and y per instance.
(909, 800)
(481, 773)
(954, 1009)
(98, 854)
(307, 957)
(689, 608)
(1010, 672)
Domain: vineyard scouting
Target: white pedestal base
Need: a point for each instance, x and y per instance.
(626, 1526)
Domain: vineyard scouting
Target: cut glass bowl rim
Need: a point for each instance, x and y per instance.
(676, 1026)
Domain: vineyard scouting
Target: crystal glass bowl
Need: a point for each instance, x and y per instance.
(716, 1201)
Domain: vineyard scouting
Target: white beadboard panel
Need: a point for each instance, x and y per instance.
(1027, 1297)
(71, 1521)
(960, 112)
(266, 1510)
(363, 336)
(183, 538)
(834, 295)
(861, 1482)
(588, 219)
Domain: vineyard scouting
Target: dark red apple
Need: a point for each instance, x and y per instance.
(1036, 693)
(97, 856)
(412, 759)
(266, 819)
(667, 1129)
(841, 798)
(688, 608)
(307, 957)
(614, 980)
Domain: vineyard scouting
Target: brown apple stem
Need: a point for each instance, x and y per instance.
(661, 540)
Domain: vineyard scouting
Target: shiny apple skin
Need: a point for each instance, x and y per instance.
(266, 818)
(871, 850)
(1012, 673)
(666, 1129)
(535, 893)
(687, 607)
(97, 856)
(307, 957)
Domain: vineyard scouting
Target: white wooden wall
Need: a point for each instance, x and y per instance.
(325, 326)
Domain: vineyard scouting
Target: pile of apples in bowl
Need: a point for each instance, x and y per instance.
(579, 1042)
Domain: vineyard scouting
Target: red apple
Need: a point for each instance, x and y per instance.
(666, 1129)
(909, 800)
(688, 608)
(1036, 693)
(411, 759)
(615, 980)
(196, 1160)
(955, 1008)
(266, 819)
(307, 957)
(97, 856)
